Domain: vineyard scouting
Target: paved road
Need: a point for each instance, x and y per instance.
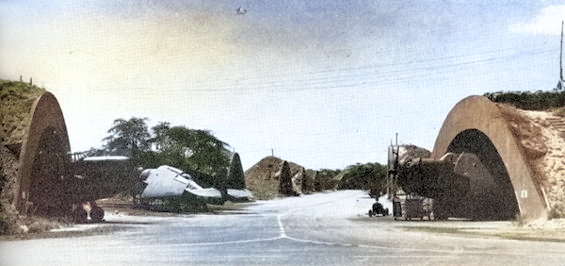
(320, 229)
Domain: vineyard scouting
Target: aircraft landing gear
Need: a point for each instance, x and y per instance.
(97, 214)
(81, 212)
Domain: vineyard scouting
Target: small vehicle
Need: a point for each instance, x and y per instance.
(378, 210)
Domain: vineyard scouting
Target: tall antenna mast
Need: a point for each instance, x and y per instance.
(561, 56)
(561, 83)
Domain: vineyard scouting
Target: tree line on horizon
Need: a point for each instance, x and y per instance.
(199, 153)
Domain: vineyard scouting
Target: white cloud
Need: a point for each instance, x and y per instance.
(547, 21)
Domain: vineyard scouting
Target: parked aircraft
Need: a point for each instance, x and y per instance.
(89, 179)
(167, 181)
(103, 176)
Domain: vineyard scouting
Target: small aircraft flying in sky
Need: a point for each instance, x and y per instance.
(240, 11)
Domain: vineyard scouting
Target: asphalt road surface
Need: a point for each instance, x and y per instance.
(320, 229)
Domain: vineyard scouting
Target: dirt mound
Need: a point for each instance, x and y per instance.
(17, 99)
(8, 173)
(541, 135)
(264, 178)
(11, 222)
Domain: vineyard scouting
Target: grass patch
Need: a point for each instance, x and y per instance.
(434, 229)
(522, 235)
(527, 237)
(16, 99)
(98, 230)
(227, 206)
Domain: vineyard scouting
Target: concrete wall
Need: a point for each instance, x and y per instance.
(47, 122)
(479, 113)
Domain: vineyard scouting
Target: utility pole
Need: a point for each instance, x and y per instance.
(391, 167)
(561, 83)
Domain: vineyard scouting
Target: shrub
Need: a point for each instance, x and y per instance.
(559, 112)
(557, 211)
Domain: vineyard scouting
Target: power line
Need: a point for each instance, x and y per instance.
(353, 76)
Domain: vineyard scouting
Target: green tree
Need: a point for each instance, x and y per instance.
(369, 176)
(159, 139)
(285, 182)
(195, 151)
(236, 176)
(325, 179)
(308, 180)
(128, 138)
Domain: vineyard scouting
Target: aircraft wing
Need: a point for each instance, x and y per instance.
(106, 158)
(239, 193)
(205, 192)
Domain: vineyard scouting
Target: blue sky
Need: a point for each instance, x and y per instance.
(325, 84)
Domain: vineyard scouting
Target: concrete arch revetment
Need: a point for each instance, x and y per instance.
(46, 120)
(479, 113)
